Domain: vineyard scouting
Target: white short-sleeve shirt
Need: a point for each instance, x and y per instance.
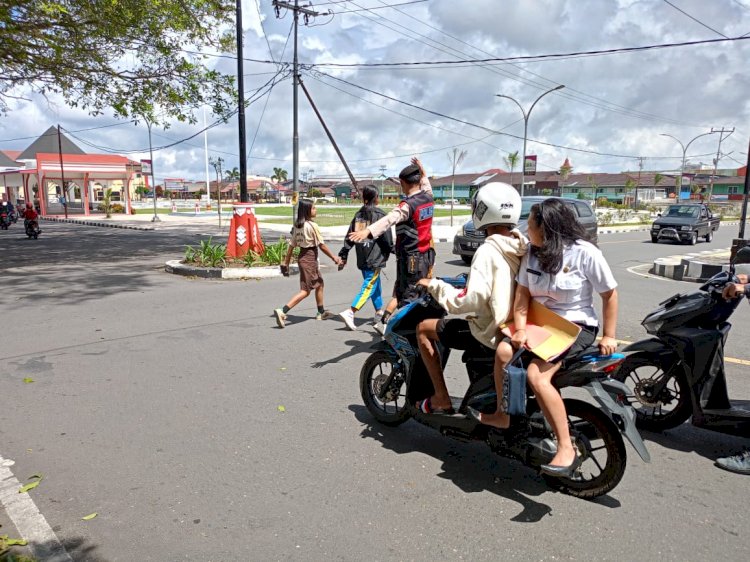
(570, 293)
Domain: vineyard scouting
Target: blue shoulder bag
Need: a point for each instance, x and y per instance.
(514, 386)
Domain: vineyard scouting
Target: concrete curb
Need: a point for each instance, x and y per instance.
(97, 223)
(267, 272)
(690, 267)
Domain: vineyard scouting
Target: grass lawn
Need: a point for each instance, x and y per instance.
(335, 216)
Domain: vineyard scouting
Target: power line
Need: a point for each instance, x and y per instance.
(76, 131)
(379, 7)
(487, 129)
(696, 20)
(566, 94)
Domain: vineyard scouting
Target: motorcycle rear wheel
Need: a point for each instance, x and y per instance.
(641, 370)
(600, 445)
(376, 372)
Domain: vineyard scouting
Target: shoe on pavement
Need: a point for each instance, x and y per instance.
(325, 315)
(280, 317)
(348, 317)
(379, 327)
(739, 463)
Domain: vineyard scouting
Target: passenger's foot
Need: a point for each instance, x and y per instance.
(280, 317)
(429, 406)
(325, 315)
(563, 458)
(380, 327)
(500, 420)
(348, 317)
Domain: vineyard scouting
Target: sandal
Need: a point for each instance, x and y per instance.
(425, 406)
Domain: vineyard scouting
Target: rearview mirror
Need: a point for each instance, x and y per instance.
(658, 215)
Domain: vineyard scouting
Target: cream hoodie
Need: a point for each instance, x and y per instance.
(490, 289)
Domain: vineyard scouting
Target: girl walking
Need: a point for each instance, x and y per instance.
(306, 236)
(372, 256)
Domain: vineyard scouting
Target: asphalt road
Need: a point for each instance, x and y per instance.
(156, 404)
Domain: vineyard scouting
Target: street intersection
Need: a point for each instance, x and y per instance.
(197, 430)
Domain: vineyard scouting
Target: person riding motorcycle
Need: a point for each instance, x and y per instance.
(30, 216)
(739, 463)
(488, 296)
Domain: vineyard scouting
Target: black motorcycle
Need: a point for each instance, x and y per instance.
(394, 378)
(32, 228)
(4, 220)
(679, 372)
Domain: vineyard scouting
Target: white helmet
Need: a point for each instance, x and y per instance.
(495, 204)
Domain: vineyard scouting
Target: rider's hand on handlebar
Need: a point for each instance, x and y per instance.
(519, 338)
(607, 345)
(733, 291)
(742, 278)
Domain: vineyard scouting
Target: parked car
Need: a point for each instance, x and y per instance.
(685, 222)
(468, 238)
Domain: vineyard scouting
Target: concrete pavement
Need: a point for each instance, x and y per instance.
(156, 398)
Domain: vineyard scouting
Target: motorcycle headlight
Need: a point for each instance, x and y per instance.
(653, 326)
(686, 228)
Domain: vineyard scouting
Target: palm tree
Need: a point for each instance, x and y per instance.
(279, 174)
(565, 170)
(232, 176)
(511, 161)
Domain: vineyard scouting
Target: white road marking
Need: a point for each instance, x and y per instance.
(25, 515)
(632, 270)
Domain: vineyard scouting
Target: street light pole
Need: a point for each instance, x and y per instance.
(684, 153)
(153, 178)
(526, 115)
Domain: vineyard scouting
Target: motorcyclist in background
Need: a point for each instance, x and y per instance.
(739, 463)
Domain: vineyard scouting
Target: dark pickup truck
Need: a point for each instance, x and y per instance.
(685, 222)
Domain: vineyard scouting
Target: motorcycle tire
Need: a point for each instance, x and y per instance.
(377, 371)
(649, 414)
(594, 435)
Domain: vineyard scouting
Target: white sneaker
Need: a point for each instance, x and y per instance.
(280, 317)
(348, 317)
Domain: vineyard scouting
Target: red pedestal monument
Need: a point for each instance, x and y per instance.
(244, 234)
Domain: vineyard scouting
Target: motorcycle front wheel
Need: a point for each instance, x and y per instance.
(599, 444)
(662, 399)
(378, 372)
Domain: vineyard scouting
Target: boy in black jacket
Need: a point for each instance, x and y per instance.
(372, 256)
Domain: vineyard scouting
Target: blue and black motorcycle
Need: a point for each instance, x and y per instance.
(394, 378)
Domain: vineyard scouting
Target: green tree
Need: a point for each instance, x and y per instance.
(138, 57)
(511, 161)
(279, 174)
(594, 187)
(232, 175)
(107, 202)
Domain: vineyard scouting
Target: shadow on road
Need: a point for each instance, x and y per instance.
(689, 439)
(70, 285)
(469, 466)
(355, 347)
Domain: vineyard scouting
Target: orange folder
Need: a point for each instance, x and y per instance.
(548, 335)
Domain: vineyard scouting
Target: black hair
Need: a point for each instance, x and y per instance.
(304, 212)
(560, 228)
(369, 196)
(411, 174)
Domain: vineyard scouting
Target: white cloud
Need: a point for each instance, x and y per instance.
(681, 91)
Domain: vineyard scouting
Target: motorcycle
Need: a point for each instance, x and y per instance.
(31, 226)
(4, 220)
(394, 378)
(679, 372)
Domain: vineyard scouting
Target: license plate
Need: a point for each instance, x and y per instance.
(473, 244)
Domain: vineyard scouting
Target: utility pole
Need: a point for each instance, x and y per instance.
(241, 104)
(638, 184)
(743, 218)
(308, 13)
(718, 157)
(382, 180)
(63, 193)
(216, 163)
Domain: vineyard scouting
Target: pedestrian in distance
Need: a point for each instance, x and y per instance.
(415, 252)
(306, 236)
(372, 256)
(561, 271)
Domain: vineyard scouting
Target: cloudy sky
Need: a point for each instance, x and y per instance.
(612, 110)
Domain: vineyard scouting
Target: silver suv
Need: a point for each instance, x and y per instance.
(468, 238)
